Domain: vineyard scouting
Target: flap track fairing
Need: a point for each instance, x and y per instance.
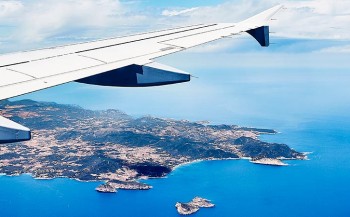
(12, 132)
(153, 74)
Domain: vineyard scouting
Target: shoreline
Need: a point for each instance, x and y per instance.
(202, 160)
(172, 169)
(50, 179)
(229, 159)
(269, 162)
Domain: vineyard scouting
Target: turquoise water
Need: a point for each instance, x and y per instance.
(309, 109)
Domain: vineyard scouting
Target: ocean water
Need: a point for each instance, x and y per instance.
(309, 109)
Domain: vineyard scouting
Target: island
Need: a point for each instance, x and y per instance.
(268, 161)
(106, 188)
(119, 150)
(193, 206)
(112, 186)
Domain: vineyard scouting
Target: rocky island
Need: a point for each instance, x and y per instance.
(111, 146)
(112, 186)
(106, 188)
(268, 161)
(193, 206)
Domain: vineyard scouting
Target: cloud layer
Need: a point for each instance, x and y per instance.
(37, 20)
(316, 19)
(29, 21)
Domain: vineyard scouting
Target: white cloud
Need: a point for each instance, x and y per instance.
(37, 20)
(326, 7)
(316, 19)
(9, 8)
(336, 49)
(313, 19)
(41, 19)
(171, 13)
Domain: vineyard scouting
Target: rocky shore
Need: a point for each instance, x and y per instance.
(113, 186)
(193, 206)
(268, 161)
(106, 188)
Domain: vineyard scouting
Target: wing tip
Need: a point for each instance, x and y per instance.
(263, 17)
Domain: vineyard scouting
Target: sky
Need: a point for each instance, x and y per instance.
(311, 36)
(36, 23)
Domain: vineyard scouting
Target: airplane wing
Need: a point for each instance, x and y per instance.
(123, 61)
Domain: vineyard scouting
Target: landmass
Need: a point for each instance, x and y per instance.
(113, 147)
(112, 186)
(193, 206)
(268, 161)
(106, 188)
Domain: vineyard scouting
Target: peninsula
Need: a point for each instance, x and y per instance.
(111, 146)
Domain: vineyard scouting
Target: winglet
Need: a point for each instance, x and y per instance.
(261, 34)
(258, 25)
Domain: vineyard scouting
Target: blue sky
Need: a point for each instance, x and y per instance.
(178, 3)
(311, 37)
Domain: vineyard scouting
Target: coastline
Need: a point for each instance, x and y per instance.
(201, 160)
(268, 162)
(229, 159)
(49, 179)
(172, 169)
(240, 158)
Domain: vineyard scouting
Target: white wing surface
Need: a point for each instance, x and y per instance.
(123, 61)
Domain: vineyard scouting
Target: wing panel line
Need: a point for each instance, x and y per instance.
(13, 64)
(21, 73)
(142, 39)
(213, 30)
(93, 58)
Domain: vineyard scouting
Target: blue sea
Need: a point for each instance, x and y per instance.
(308, 107)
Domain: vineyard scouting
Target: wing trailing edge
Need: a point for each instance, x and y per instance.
(12, 132)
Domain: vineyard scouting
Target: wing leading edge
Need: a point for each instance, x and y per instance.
(124, 61)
